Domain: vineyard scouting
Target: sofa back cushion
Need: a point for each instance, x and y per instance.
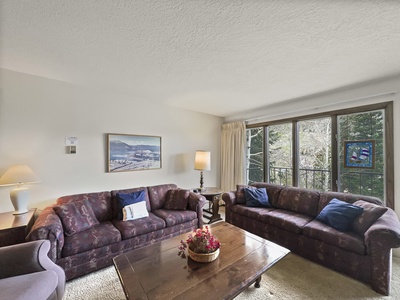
(240, 197)
(100, 202)
(114, 199)
(299, 200)
(76, 216)
(176, 199)
(371, 213)
(326, 197)
(273, 191)
(158, 194)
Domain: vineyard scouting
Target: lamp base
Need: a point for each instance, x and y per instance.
(19, 199)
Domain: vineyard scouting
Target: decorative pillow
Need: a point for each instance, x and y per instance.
(128, 199)
(135, 211)
(76, 216)
(371, 213)
(256, 197)
(176, 199)
(240, 198)
(339, 214)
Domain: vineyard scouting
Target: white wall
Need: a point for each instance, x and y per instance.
(36, 114)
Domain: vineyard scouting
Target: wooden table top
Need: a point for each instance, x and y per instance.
(211, 191)
(8, 220)
(157, 272)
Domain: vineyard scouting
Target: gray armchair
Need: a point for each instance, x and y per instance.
(26, 272)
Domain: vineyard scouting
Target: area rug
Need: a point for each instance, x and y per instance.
(291, 278)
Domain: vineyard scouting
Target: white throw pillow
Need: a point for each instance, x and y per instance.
(135, 211)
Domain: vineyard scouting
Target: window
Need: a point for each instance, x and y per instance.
(360, 127)
(280, 154)
(255, 155)
(315, 154)
(310, 152)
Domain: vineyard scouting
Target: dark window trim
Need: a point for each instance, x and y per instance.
(389, 143)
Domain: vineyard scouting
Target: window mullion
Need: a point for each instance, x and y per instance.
(266, 154)
(295, 152)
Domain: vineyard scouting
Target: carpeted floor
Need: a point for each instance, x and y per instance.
(291, 278)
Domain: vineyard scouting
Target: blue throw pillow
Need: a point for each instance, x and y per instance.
(339, 214)
(256, 197)
(128, 199)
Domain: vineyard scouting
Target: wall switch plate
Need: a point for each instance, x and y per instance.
(71, 149)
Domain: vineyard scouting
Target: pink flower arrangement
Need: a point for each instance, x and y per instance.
(200, 241)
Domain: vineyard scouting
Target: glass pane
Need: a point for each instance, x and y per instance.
(356, 131)
(255, 155)
(315, 154)
(280, 154)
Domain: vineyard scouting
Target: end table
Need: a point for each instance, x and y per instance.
(212, 194)
(14, 228)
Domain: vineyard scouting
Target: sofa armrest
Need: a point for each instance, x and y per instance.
(230, 200)
(196, 203)
(48, 226)
(30, 257)
(384, 233)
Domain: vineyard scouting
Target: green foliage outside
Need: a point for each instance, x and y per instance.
(315, 153)
(359, 127)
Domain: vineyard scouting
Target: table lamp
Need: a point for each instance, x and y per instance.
(202, 162)
(19, 175)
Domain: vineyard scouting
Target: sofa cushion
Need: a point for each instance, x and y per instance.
(140, 226)
(135, 211)
(346, 240)
(33, 286)
(114, 201)
(273, 191)
(299, 200)
(287, 220)
(176, 199)
(371, 213)
(174, 217)
(339, 214)
(76, 216)
(125, 199)
(95, 237)
(256, 197)
(158, 193)
(325, 197)
(254, 213)
(100, 202)
(240, 197)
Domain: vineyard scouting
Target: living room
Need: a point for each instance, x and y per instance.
(62, 76)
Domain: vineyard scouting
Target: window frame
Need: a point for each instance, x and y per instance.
(389, 144)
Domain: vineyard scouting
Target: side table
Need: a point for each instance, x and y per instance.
(14, 228)
(212, 194)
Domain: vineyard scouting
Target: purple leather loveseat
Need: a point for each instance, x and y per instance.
(94, 248)
(291, 223)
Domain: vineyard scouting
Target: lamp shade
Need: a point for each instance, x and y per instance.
(202, 160)
(18, 174)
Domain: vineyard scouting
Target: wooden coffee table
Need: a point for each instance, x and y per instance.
(157, 272)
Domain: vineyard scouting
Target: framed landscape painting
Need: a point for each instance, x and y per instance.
(128, 152)
(359, 154)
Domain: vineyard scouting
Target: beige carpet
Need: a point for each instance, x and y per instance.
(291, 278)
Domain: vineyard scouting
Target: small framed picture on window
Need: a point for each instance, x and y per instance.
(359, 154)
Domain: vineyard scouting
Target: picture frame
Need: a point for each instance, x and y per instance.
(359, 154)
(131, 152)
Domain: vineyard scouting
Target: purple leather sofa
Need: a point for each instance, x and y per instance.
(291, 223)
(94, 248)
(26, 272)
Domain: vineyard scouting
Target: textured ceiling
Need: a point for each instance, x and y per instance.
(217, 57)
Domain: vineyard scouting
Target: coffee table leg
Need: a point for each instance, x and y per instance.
(257, 284)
